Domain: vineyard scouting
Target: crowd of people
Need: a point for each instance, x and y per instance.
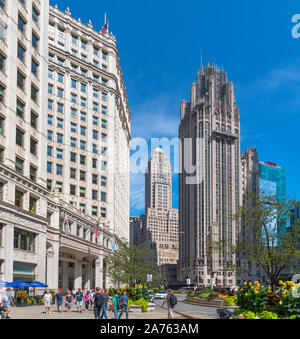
(97, 300)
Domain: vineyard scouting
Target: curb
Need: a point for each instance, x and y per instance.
(208, 305)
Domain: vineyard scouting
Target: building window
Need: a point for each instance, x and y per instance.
(95, 163)
(95, 195)
(104, 110)
(19, 137)
(59, 153)
(104, 56)
(59, 169)
(73, 128)
(60, 123)
(95, 121)
(73, 157)
(72, 173)
(34, 93)
(95, 149)
(21, 24)
(2, 62)
(103, 197)
(82, 160)
(35, 15)
(72, 190)
(32, 173)
(95, 179)
(103, 212)
(60, 138)
(83, 131)
(49, 151)
(60, 78)
(33, 146)
(73, 113)
(20, 80)
(24, 241)
(19, 165)
(82, 192)
(74, 40)
(82, 145)
(49, 167)
(73, 142)
(20, 108)
(34, 67)
(35, 41)
(82, 116)
(103, 181)
(60, 108)
(1, 126)
(33, 120)
(94, 211)
(60, 93)
(19, 198)
(49, 185)
(82, 176)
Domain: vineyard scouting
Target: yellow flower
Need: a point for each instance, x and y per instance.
(237, 287)
(280, 302)
(245, 284)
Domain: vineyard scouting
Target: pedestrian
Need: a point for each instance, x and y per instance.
(3, 307)
(92, 292)
(47, 301)
(79, 300)
(86, 300)
(115, 304)
(171, 301)
(10, 302)
(69, 299)
(59, 300)
(104, 306)
(98, 301)
(74, 293)
(124, 305)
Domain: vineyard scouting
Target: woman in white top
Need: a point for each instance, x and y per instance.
(47, 301)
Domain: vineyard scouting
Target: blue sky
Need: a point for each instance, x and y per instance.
(160, 46)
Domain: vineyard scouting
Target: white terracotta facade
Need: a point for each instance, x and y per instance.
(34, 244)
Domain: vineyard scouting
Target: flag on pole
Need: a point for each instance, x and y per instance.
(97, 231)
(66, 226)
(104, 29)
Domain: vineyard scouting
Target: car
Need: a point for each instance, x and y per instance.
(161, 295)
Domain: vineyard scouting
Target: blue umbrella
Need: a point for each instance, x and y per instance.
(37, 284)
(3, 284)
(19, 283)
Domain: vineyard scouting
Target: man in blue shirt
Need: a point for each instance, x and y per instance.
(124, 302)
(79, 300)
(9, 303)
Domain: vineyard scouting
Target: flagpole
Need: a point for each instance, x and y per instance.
(105, 19)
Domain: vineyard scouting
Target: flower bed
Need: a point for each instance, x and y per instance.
(256, 301)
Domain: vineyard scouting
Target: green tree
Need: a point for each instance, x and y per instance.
(265, 240)
(130, 265)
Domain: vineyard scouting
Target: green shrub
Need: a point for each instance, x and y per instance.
(268, 315)
(293, 317)
(249, 315)
(142, 302)
(229, 302)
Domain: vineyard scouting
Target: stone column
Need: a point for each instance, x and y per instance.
(78, 273)
(40, 243)
(99, 272)
(8, 233)
(53, 266)
(65, 275)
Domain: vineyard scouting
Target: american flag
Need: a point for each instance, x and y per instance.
(97, 231)
(104, 29)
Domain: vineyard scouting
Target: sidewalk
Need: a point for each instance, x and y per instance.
(38, 312)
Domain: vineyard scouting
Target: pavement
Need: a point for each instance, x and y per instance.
(182, 311)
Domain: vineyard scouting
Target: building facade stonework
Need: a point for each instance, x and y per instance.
(159, 226)
(47, 233)
(211, 120)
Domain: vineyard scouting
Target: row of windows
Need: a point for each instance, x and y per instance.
(75, 41)
(59, 168)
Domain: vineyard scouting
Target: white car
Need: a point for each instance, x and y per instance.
(161, 295)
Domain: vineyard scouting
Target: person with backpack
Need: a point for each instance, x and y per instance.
(79, 300)
(124, 305)
(98, 301)
(116, 304)
(171, 302)
(104, 306)
(59, 300)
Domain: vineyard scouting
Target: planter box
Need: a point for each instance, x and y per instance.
(205, 302)
(138, 308)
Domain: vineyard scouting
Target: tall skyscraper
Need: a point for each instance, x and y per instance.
(134, 225)
(211, 120)
(159, 225)
(56, 225)
(88, 121)
(272, 180)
